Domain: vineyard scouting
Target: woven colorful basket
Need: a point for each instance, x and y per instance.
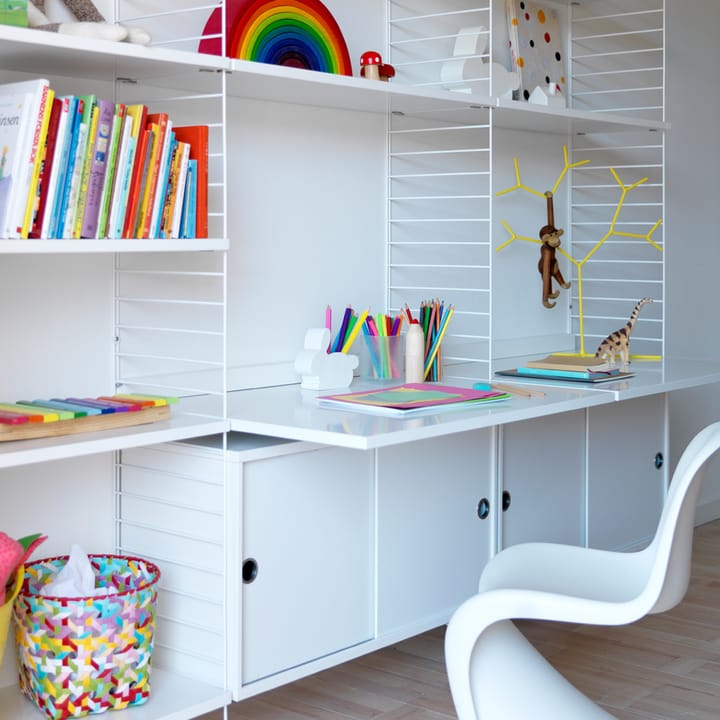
(78, 656)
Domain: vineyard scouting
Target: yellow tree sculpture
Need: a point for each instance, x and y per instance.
(579, 264)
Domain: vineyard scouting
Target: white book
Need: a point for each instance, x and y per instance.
(13, 118)
(36, 92)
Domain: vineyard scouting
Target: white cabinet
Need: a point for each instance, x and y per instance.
(627, 472)
(432, 543)
(307, 558)
(542, 480)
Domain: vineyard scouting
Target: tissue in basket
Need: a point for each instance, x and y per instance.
(90, 654)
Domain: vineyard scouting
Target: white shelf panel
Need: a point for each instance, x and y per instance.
(38, 52)
(178, 427)
(134, 245)
(171, 698)
(306, 87)
(292, 413)
(516, 115)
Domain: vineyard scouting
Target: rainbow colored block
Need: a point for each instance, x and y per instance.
(294, 33)
(78, 656)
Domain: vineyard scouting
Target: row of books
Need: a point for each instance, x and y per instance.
(79, 166)
(568, 367)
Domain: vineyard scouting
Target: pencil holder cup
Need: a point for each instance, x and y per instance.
(381, 357)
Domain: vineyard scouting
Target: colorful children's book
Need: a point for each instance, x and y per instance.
(158, 123)
(14, 113)
(88, 106)
(123, 171)
(162, 185)
(39, 143)
(28, 144)
(411, 399)
(189, 209)
(77, 113)
(109, 180)
(180, 187)
(98, 161)
(138, 113)
(198, 137)
(86, 168)
(48, 159)
(59, 165)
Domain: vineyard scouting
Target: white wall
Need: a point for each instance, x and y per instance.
(693, 241)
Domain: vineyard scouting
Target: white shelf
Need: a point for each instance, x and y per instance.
(178, 427)
(306, 87)
(48, 247)
(171, 698)
(37, 52)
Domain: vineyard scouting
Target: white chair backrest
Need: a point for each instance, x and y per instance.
(671, 548)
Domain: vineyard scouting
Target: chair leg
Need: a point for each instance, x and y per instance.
(505, 677)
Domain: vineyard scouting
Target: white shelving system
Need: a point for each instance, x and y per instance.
(395, 184)
(89, 317)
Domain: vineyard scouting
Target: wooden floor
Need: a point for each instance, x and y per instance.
(665, 667)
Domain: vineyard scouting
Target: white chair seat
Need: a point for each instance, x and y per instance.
(496, 674)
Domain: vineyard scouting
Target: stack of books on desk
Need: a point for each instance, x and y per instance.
(568, 367)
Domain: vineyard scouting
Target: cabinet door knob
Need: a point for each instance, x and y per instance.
(249, 570)
(659, 460)
(483, 508)
(506, 500)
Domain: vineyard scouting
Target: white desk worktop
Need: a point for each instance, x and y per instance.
(289, 412)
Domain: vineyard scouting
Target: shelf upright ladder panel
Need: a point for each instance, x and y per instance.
(171, 339)
(617, 197)
(439, 180)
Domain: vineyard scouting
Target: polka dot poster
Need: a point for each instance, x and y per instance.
(537, 50)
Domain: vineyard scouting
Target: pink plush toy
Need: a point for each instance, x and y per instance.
(14, 553)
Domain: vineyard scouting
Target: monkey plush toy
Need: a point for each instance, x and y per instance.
(548, 265)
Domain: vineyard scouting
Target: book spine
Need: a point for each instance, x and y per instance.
(27, 190)
(41, 196)
(59, 166)
(109, 179)
(136, 182)
(85, 172)
(64, 200)
(98, 166)
(161, 188)
(122, 183)
(180, 192)
(159, 124)
(187, 222)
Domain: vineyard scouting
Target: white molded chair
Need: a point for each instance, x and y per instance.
(496, 674)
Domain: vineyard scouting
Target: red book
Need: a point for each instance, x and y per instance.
(197, 137)
(159, 123)
(45, 170)
(138, 113)
(137, 183)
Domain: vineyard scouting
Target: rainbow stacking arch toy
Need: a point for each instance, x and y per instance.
(295, 33)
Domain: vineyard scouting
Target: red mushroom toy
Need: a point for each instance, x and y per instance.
(370, 62)
(387, 71)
